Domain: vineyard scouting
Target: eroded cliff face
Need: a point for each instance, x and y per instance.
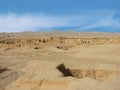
(38, 42)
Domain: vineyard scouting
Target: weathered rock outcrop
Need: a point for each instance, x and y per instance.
(40, 42)
(40, 39)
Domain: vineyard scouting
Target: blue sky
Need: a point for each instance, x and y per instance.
(78, 15)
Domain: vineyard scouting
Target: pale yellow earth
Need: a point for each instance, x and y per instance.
(80, 67)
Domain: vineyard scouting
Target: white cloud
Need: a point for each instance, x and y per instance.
(84, 21)
(15, 23)
(107, 21)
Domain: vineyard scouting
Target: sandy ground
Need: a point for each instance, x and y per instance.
(35, 69)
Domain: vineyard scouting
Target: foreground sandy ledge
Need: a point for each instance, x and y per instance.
(43, 75)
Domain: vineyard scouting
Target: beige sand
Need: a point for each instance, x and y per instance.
(60, 63)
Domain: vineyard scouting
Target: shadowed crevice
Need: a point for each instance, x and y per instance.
(65, 71)
(3, 69)
(83, 73)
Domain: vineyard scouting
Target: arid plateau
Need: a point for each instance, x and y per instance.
(60, 61)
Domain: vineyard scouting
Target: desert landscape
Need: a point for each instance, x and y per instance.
(59, 60)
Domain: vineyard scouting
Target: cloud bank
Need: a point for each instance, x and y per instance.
(86, 21)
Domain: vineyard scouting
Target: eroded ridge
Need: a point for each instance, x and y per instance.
(39, 42)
